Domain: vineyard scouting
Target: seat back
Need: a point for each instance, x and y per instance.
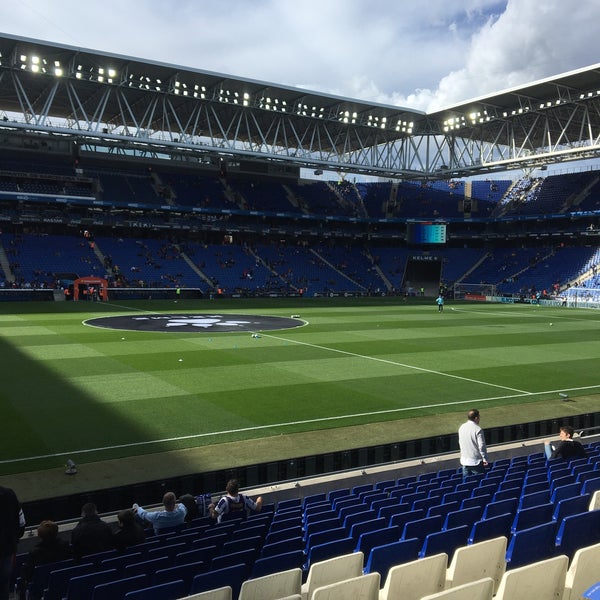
(415, 579)
(542, 580)
(329, 571)
(184, 572)
(118, 588)
(531, 545)
(444, 541)
(383, 558)
(329, 550)
(530, 517)
(481, 589)
(229, 576)
(583, 572)
(486, 529)
(379, 537)
(163, 591)
(81, 586)
(577, 531)
(278, 562)
(365, 587)
(272, 587)
(477, 561)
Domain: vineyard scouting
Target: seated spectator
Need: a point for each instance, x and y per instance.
(173, 514)
(130, 532)
(191, 506)
(91, 534)
(50, 548)
(234, 504)
(567, 448)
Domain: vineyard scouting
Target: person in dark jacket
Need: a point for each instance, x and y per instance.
(91, 534)
(567, 448)
(12, 527)
(130, 531)
(50, 548)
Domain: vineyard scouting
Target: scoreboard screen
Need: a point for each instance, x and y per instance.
(426, 233)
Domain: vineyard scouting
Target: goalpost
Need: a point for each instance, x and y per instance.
(463, 290)
(578, 297)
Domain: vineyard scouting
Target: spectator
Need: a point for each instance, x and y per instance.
(234, 504)
(567, 448)
(191, 506)
(173, 514)
(130, 532)
(12, 527)
(50, 548)
(91, 534)
(473, 451)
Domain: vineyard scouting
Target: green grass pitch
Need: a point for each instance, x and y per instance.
(70, 390)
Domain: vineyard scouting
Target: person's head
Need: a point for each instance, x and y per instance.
(566, 432)
(47, 530)
(169, 500)
(126, 517)
(233, 487)
(473, 415)
(89, 509)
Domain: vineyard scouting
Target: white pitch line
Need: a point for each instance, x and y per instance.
(289, 424)
(397, 364)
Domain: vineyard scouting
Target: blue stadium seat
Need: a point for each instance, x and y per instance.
(80, 587)
(341, 493)
(120, 562)
(529, 500)
(571, 506)
(58, 579)
(565, 491)
(530, 517)
(204, 555)
(184, 572)
(467, 516)
(118, 588)
(283, 534)
(147, 567)
(402, 518)
(329, 550)
(289, 545)
(591, 485)
(323, 537)
(312, 498)
(493, 527)
(232, 576)
(382, 558)
(531, 545)
(420, 528)
(577, 531)
(246, 557)
(165, 591)
(500, 507)
(444, 541)
(379, 537)
(359, 529)
(41, 574)
(277, 563)
(387, 512)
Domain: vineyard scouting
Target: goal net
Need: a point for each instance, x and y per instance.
(463, 290)
(578, 297)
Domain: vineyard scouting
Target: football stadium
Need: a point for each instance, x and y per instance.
(181, 305)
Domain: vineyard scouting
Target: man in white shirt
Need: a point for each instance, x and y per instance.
(473, 451)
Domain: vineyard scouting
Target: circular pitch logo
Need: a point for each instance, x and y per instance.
(194, 323)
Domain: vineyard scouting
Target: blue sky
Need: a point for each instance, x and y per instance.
(422, 55)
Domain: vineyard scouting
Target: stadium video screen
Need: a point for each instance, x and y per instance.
(426, 233)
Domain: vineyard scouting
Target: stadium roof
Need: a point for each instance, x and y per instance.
(106, 100)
